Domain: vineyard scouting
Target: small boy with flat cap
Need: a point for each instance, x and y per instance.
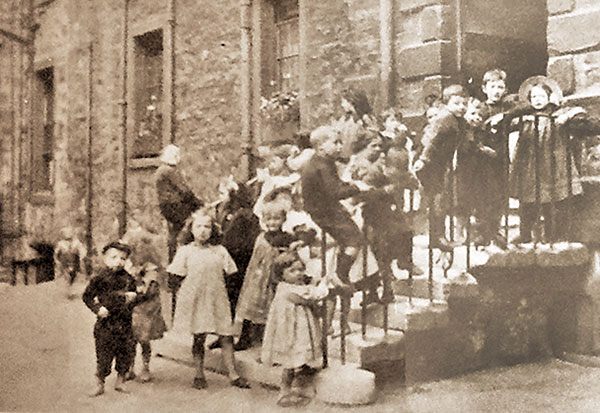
(111, 296)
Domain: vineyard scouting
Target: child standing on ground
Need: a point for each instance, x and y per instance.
(292, 336)
(68, 256)
(257, 292)
(203, 306)
(111, 296)
(147, 321)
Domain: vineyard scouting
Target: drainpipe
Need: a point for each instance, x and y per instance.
(13, 124)
(172, 25)
(20, 131)
(32, 26)
(123, 217)
(88, 237)
(246, 82)
(385, 17)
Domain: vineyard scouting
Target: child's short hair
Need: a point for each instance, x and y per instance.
(364, 138)
(493, 76)
(281, 262)
(541, 85)
(118, 246)
(274, 207)
(359, 100)
(145, 245)
(322, 134)
(453, 90)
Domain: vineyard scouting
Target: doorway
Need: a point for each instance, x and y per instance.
(505, 34)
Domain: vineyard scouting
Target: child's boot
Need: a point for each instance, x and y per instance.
(145, 375)
(130, 375)
(120, 384)
(99, 389)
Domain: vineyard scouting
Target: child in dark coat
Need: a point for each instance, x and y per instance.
(111, 296)
(322, 190)
(440, 141)
(544, 176)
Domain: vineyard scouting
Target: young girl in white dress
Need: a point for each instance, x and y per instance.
(203, 306)
(293, 335)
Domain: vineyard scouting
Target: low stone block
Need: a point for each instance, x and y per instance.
(435, 316)
(560, 6)
(377, 348)
(460, 284)
(561, 254)
(573, 32)
(345, 385)
(562, 70)
(432, 58)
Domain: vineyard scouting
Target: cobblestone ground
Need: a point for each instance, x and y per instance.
(47, 364)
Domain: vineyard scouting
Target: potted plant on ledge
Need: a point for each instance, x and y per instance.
(280, 117)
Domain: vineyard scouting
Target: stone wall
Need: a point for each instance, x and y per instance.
(207, 116)
(574, 44)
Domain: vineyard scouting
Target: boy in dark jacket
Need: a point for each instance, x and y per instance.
(322, 191)
(111, 296)
(440, 141)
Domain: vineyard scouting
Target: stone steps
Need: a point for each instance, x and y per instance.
(375, 350)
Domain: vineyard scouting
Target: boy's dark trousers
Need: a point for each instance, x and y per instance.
(114, 340)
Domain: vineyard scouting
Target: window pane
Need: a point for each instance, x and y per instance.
(148, 95)
(288, 40)
(288, 73)
(43, 125)
(285, 9)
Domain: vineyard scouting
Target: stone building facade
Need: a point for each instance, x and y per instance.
(84, 111)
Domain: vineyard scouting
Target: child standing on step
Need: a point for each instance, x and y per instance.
(292, 336)
(203, 305)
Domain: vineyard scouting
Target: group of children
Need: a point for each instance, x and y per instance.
(341, 194)
(467, 155)
(125, 296)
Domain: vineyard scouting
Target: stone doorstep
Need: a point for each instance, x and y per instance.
(374, 349)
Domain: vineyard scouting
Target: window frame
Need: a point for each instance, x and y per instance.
(280, 56)
(137, 29)
(45, 194)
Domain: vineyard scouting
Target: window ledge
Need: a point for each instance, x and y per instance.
(42, 198)
(144, 163)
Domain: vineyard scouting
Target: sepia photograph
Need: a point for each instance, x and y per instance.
(300, 206)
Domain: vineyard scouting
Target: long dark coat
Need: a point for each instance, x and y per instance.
(555, 177)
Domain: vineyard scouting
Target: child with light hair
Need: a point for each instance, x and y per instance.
(257, 292)
(68, 258)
